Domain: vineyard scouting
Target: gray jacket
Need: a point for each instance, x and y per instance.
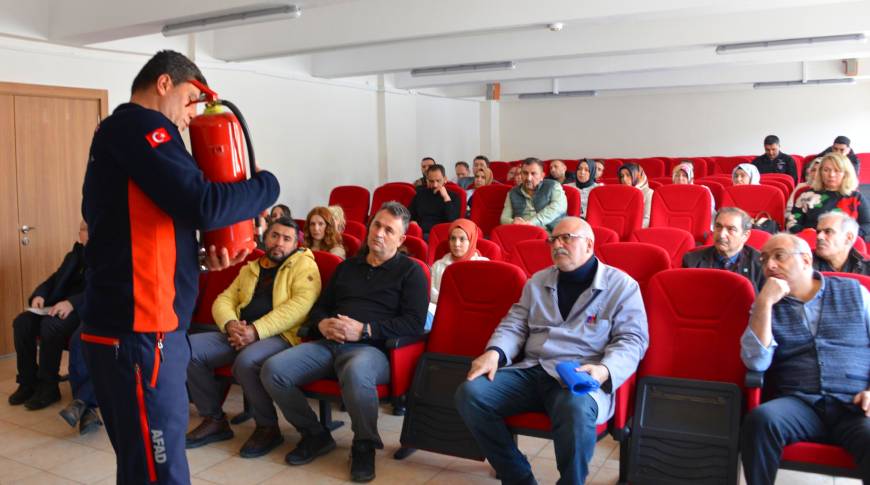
(607, 325)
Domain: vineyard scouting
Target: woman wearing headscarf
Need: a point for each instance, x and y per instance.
(834, 189)
(587, 172)
(745, 174)
(462, 241)
(684, 173)
(633, 174)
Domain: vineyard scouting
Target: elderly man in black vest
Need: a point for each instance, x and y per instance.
(535, 201)
(810, 335)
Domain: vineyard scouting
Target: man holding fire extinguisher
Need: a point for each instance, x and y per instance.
(144, 198)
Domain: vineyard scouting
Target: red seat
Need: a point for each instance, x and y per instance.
(673, 240)
(861, 247)
(486, 248)
(652, 167)
(716, 188)
(864, 174)
(639, 260)
(488, 205)
(696, 318)
(400, 192)
(500, 170)
(782, 177)
(572, 195)
(212, 284)
(532, 256)
(508, 235)
(757, 238)
(459, 193)
(778, 185)
(326, 264)
(618, 207)
(604, 235)
(724, 165)
(687, 207)
(611, 168)
(416, 247)
(351, 245)
(663, 181)
(415, 230)
(437, 233)
(353, 199)
(355, 229)
(755, 199)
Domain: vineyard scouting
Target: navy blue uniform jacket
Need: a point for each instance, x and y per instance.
(144, 198)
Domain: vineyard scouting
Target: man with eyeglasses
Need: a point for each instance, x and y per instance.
(810, 335)
(579, 310)
(729, 250)
(144, 199)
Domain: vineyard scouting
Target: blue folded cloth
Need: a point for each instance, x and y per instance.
(578, 382)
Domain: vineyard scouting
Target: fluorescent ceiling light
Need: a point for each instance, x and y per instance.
(814, 82)
(802, 42)
(562, 94)
(461, 68)
(232, 19)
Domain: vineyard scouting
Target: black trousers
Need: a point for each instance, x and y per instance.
(52, 333)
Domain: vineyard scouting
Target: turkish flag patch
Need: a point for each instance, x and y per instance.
(158, 137)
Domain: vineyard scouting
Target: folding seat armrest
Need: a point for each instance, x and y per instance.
(623, 408)
(404, 353)
(754, 382)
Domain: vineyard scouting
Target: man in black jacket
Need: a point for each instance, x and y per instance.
(835, 249)
(729, 250)
(775, 161)
(843, 146)
(433, 203)
(52, 319)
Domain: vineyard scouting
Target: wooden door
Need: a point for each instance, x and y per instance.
(11, 297)
(52, 139)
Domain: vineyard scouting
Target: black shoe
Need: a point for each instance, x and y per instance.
(47, 393)
(362, 461)
(262, 441)
(90, 421)
(210, 430)
(73, 412)
(310, 447)
(22, 394)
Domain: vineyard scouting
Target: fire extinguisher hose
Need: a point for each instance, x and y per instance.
(250, 146)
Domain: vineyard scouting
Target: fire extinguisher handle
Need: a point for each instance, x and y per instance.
(248, 144)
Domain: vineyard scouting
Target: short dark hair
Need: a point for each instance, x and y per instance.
(396, 209)
(771, 140)
(426, 158)
(437, 168)
(842, 140)
(482, 157)
(179, 68)
(745, 219)
(286, 222)
(534, 161)
(461, 164)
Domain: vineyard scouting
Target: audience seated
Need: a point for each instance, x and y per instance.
(258, 316)
(775, 161)
(514, 176)
(843, 146)
(837, 233)
(479, 162)
(599, 170)
(371, 297)
(482, 177)
(731, 229)
(684, 173)
(82, 410)
(835, 188)
(559, 172)
(321, 234)
(338, 217)
(585, 180)
(463, 174)
(809, 334)
(462, 237)
(811, 171)
(50, 321)
(745, 174)
(579, 310)
(633, 174)
(536, 201)
(425, 163)
(433, 204)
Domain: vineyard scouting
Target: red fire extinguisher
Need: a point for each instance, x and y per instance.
(220, 140)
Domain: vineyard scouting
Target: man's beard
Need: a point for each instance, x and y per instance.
(277, 260)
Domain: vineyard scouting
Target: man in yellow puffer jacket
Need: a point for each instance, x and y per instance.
(258, 316)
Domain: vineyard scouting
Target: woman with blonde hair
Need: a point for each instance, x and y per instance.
(833, 189)
(482, 176)
(321, 233)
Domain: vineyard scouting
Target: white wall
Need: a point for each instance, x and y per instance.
(686, 124)
(313, 134)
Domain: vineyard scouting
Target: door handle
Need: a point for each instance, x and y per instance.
(25, 229)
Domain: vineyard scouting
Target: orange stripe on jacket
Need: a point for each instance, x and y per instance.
(152, 234)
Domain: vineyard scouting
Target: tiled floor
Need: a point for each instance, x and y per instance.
(37, 447)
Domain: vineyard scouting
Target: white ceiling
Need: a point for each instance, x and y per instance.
(617, 45)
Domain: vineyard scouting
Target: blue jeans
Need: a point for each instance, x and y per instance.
(79, 377)
(484, 405)
(785, 420)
